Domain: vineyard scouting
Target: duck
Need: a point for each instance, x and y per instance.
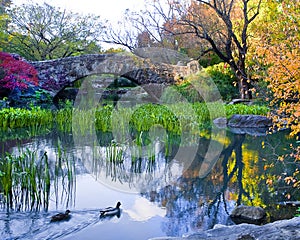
(61, 216)
(111, 211)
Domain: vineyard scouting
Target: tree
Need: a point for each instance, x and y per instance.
(142, 29)
(220, 26)
(40, 32)
(4, 4)
(277, 54)
(223, 24)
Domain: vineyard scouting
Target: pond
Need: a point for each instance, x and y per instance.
(166, 187)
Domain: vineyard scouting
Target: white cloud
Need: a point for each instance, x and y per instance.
(143, 210)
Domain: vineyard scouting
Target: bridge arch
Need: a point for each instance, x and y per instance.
(55, 75)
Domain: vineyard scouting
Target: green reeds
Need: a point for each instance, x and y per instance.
(175, 118)
(25, 181)
(115, 152)
(63, 119)
(11, 118)
(64, 176)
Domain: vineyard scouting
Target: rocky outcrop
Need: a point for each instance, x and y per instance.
(280, 230)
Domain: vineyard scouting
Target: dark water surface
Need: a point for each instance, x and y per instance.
(162, 192)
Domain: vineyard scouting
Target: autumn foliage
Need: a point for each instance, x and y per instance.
(278, 54)
(16, 73)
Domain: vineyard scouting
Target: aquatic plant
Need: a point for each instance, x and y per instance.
(115, 152)
(18, 118)
(149, 115)
(246, 109)
(174, 118)
(64, 176)
(26, 179)
(298, 212)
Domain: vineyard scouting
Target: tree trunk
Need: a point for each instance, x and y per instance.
(243, 82)
(244, 88)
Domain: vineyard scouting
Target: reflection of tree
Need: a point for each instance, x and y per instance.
(236, 146)
(195, 203)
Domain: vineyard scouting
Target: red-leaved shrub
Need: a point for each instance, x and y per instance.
(16, 73)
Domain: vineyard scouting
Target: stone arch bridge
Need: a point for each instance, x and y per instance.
(55, 75)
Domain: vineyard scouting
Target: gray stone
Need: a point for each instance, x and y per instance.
(280, 230)
(248, 214)
(249, 121)
(250, 131)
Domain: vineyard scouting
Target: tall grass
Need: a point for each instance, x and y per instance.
(18, 117)
(175, 118)
(115, 152)
(26, 179)
(64, 177)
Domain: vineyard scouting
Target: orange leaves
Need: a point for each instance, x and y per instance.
(279, 49)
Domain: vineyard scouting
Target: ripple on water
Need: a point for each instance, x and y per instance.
(38, 226)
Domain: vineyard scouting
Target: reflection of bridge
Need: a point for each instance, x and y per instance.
(55, 75)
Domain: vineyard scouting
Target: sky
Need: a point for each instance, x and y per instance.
(107, 9)
(111, 10)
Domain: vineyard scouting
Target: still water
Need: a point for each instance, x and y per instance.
(166, 188)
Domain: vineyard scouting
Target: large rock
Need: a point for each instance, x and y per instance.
(255, 125)
(280, 230)
(248, 214)
(249, 121)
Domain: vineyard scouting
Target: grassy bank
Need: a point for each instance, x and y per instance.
(173, 117)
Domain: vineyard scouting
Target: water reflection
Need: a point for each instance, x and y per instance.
(179, 199)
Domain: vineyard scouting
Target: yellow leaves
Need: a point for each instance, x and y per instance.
(279, 45)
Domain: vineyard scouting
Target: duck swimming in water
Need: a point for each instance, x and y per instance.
(61, 216)
(111, 211)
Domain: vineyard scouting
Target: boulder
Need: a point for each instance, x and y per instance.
(248, 214)
(249, 121)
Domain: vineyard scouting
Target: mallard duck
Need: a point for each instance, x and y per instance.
(61, 216)
(111, 211)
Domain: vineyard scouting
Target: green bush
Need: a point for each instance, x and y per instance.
(183, 92)
(224, 78)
